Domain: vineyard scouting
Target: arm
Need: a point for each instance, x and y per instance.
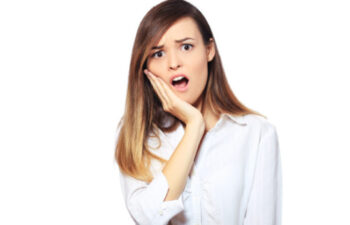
(179, 165)
(160, 200)
(265, 201)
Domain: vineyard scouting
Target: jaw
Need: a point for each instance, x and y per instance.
(199, 103)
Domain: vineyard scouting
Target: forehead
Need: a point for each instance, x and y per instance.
(184, 27)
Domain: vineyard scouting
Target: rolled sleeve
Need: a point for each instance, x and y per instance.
(145, 202)
(265, 201)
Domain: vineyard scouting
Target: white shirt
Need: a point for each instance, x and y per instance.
(236, 178)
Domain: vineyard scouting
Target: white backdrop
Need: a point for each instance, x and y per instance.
(64, 67)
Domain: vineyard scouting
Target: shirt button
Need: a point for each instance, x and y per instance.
(161, 212)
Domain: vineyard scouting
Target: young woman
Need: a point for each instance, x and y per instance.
(188, 151)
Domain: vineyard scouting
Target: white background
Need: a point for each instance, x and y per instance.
(64, 69)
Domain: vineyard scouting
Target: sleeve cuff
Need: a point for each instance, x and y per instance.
(166, 209)
(145, 202)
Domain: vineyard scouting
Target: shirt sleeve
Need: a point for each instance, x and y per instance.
(265, 201)
(145, 202)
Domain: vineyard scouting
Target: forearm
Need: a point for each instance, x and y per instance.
(178, 166)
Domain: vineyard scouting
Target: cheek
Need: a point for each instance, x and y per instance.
(200, 67)
(155, 67)
(151, 65)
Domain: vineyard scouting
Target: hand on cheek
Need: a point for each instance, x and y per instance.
(171, 102)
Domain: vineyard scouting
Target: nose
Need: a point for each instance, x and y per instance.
(174, 67)
(173, 61)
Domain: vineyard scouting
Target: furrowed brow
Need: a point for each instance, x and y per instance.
(177, 41)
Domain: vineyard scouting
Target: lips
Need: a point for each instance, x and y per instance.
(180, 85)
(178, 75)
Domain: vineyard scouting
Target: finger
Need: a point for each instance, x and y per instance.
(161, 89)
(156, 87)
(154, 84)
(168, 89)
(167, 92)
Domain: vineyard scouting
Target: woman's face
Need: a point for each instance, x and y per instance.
(181, 50)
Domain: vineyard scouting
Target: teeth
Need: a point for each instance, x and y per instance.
(178, 78)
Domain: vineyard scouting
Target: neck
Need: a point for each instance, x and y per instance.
(209, 116)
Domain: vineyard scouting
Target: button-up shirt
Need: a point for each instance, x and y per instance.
(236, 178)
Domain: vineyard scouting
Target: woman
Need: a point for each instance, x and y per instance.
(188, 151)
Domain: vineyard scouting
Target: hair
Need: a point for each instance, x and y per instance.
(144, 113)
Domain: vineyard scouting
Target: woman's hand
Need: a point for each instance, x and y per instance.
(172, 103)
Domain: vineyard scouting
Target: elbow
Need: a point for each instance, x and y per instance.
(139, 212)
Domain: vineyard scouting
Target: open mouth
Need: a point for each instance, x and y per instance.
(180, 82)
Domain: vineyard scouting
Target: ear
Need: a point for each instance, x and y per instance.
(210, 50)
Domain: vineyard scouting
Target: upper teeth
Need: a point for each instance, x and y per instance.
(178, 78)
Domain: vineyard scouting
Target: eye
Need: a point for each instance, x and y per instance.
(155, 54)
(186, 45)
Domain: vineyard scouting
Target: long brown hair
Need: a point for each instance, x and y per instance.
(143, 110)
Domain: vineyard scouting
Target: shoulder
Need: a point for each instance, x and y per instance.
(265, 134)
(260, 123)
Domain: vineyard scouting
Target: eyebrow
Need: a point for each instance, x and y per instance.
(177, 41)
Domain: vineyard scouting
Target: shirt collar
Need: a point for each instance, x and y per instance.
(236, 118)
(239, 119)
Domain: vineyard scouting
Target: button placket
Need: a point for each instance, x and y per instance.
(196, 201)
